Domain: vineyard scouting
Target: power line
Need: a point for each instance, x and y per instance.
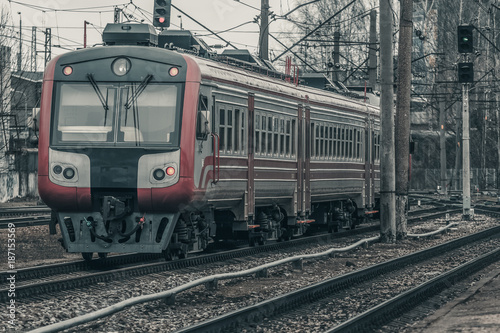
(77, 10)
(227, 30)
(228, 43)
(314, 30)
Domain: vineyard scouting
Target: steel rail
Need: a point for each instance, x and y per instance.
(29, 273)
(24, 291)
(295, 299)
(397, 306)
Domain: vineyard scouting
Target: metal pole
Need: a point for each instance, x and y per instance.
(33, 49)
(20, 57)
(466, 152)
(372, 64)
(336, 54)
(387, 163)
(264, 30)
(84, 34)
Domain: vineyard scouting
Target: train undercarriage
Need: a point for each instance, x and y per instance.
(118, 228)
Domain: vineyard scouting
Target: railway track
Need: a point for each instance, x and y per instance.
(51, 278)
(25, 210)
(24, 216)
(172, 279)
(278, 308)
(39, 280)
(25, 221)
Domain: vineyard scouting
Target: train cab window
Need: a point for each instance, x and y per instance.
(116, 114)
(293, 144)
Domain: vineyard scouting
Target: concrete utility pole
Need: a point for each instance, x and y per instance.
(264, 30)
(466, 151)
(443, 101)
(403, 116)
(20, 55)
(336, 54)
(387, 176)
(372, 53)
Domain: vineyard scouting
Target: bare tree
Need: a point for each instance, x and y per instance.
(351, 25)
(16, 95)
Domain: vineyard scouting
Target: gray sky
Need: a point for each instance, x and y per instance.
(66, 18)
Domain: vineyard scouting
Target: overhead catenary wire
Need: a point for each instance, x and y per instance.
(314, 30)
(187, 15)
(79, 10)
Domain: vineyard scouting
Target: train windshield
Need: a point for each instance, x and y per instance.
(134, 114)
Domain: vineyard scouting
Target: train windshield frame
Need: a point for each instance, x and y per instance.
(126, 114)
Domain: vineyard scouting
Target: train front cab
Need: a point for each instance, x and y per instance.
(114, 163)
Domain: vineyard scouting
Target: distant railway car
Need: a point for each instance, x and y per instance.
(145, 149)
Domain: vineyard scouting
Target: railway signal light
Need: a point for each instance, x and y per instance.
(465, 72)
(161, 13)
(465, 40)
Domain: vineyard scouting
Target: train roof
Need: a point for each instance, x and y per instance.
(221, 69)
(226, 73)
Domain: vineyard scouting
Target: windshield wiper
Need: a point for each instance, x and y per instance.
(138, 91)
(104, 102)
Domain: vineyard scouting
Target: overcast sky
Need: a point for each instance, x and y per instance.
(66, 18)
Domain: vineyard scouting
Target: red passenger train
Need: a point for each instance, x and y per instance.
(146, 149)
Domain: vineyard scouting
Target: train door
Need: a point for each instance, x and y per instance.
(369, 163)
(303, 161)
(250, 193)
(307, 161)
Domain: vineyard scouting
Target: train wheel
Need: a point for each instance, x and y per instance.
(87, 256)
(251, 241)
(103, 255)
(169, 256)
(285, 235)
(262, 241)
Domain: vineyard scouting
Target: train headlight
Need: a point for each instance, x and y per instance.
(57, 169)
(67, 70)
(173, 71)
(121, 66)
(159, 174)
(170, 171)
(69, 173)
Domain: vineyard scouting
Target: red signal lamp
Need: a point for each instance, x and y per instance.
(170, 171)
